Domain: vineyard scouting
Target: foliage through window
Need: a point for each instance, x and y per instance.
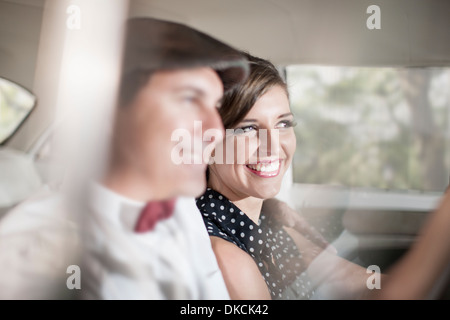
(384, 128)
(16, 104)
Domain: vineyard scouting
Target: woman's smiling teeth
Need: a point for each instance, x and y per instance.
(265, 168)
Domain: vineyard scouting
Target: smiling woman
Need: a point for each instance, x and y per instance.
(263, 144)
(258, 257)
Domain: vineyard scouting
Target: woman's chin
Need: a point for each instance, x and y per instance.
(265, 192)
(264, 186)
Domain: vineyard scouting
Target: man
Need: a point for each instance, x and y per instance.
(173, 78)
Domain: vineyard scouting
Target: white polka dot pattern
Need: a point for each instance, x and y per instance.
(272, 249)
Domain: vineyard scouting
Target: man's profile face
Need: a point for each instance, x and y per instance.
(170, 101)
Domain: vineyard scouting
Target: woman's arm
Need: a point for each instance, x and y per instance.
(333, 276)
(241, 274)
(414, 276)
(288, 217)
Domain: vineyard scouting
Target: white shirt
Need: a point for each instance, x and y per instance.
(173, 261)
(38, 243)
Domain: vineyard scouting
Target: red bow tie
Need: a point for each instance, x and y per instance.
(152, 213)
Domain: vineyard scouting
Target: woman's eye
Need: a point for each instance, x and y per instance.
(287, 124)
(189, 99)
(248, 128)
(245, 129)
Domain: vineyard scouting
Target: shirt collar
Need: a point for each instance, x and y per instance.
(116, 207)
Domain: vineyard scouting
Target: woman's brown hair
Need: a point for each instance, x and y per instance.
(237, 102)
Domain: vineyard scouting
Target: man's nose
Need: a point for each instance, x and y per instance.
(212, 121)
(213, 130)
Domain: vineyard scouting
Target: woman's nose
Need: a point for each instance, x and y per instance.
(269, 142)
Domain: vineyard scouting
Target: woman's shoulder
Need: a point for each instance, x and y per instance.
(232, 257)
(228, 248)
(243, 278)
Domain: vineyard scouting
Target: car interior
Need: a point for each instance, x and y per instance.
(370, 87)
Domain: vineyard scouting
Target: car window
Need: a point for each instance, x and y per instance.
(380, 128)
(16, 103)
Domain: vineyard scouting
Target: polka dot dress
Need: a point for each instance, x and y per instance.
(270, 246)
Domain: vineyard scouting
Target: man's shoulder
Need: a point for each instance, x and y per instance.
(45, 208)
(38, 242)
